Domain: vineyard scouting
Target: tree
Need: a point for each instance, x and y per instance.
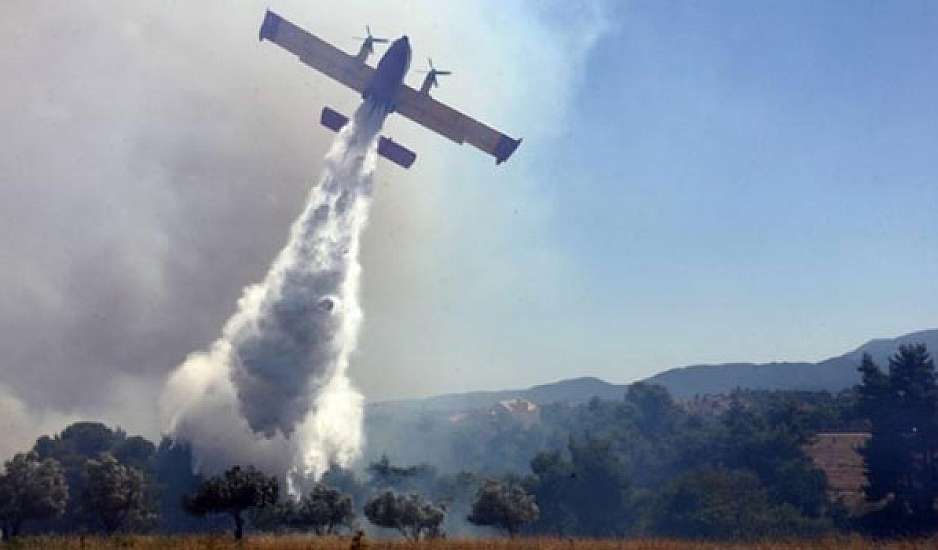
(551, 483)
(769, 442)
(30, 489)
(901, 456)
(587, 495)
(73, 447)
(410, 514)
(714, 503)
(116, 496)
(273, 518)
(399, 478)
(234, 492)
(652, 409)
(324, 510)
(503, 505)
(85, 439)
(172, 469)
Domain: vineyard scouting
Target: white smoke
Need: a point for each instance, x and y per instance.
(273, 390)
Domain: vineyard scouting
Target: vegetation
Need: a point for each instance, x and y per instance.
(116, 496)
(713, 469)
(410, 514)
(233, 493)
(323, 510)
(585, 493)
(719, 504)
(165, 471)
(30, 489)
(901, 456)
(505, 505)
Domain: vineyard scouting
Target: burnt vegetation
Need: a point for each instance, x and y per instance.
(719, 468)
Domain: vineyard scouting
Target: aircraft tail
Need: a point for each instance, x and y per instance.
(387, 148)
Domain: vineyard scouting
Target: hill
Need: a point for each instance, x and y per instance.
(834, 374)
(574, 390)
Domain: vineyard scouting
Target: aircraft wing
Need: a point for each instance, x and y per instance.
(448, 122)
(316, 52)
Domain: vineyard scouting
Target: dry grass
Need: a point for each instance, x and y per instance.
(335, 543)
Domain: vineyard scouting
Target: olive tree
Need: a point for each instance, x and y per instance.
(324, 510)
(116, 496)
(410, 514)
(30, 489)
(234, 492)
(503, 505)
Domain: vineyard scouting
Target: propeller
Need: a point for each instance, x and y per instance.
(434, 72)
(370, 40)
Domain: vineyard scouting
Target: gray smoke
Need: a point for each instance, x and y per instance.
(273, 389)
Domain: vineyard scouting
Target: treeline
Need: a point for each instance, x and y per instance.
(727, 468)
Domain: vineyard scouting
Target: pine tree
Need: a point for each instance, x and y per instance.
(901, 457)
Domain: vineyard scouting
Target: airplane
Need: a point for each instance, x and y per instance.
(368, 44)
(430, 79)
(384, 85)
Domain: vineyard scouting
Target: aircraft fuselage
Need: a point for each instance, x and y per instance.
(383, 88)
(389, 74)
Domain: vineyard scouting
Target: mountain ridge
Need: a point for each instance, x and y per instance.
(832, 374)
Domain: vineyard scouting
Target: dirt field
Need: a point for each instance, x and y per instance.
(317, 543)
(836, 454)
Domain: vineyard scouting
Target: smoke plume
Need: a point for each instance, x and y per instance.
(272, 390)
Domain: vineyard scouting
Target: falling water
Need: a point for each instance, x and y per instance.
(273, 390)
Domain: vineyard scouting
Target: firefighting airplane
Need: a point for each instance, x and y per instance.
(385, 84)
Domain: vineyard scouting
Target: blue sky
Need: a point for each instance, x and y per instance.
(712, 183)
(746, 181)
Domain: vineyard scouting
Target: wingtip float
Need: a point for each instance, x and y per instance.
(385, 84)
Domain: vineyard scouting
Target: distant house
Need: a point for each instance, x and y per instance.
(521, 410)
(517, 410)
